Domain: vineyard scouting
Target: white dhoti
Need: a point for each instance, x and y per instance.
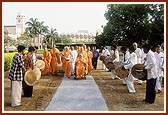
(72, 68)
(158, 84)
(103, 66)
(130, 83)
(16, 92)
(113, 73)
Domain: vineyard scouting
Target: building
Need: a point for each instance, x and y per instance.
(15, 31)
(80, 36)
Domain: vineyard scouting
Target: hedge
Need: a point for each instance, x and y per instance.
(8, 60)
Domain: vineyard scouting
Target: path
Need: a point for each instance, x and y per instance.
(77, 95)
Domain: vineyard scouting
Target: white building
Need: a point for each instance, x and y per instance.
(15, 31)
(80, 36)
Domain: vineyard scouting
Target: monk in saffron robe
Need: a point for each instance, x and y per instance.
(90, 56)
(67, 62)
(47, 60)
(85, 56)
(63, 58)
(55, 59)
(80, 67)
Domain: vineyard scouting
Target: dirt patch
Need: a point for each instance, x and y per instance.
(117, 97)
(115, 94)
(43, 91)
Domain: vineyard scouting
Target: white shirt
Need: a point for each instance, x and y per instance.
(151, 65)
(138, 52)
(143, 57)
(126, 58)
(116, 55)
(131, 61)
(160, 62)
(106, 52)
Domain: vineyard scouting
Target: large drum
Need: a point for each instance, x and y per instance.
(38, 72)
(121, 72)
(30, 77)
(138, 71)
(107, 60)
(102, 57)
(110, 66)
(40, 64)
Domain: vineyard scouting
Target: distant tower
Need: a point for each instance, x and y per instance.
(20, 24)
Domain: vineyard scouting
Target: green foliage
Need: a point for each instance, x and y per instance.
(8, 60)
(128, 23)
(40, 51)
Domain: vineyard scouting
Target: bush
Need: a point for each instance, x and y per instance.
(40, 51)
(8, 60)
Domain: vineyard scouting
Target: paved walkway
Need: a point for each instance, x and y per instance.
(77, 95)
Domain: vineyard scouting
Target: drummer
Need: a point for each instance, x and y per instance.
(16, 77)
(131, 62)
(29, 65)
(115, 59)
(126, 57)
(105, 52)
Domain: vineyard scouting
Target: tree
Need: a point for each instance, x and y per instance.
(51, 37)
(128, 23)
(36, 29)
(32, 29)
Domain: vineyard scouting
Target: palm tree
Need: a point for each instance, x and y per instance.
(53, 35)
(32, 29)
(36, 29)
(42, 31)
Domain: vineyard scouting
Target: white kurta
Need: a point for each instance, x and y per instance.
(126, 58)
(105, 52)
(138, 53)
(159, 61)
(116, 60)
(151, 65)
(74, 55)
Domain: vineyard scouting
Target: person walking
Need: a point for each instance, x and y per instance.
(95, 58)
(55, 59)
(74, 55)
(90, 56)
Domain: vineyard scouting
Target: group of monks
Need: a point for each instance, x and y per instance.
(76, 61)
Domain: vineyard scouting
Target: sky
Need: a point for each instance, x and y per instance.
(66, 17)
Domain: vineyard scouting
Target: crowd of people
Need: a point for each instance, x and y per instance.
(79, 61)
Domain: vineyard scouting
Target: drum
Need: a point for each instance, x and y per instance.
(138, 71)
(110, 66)
(30, 77)
(107, 60)
(40, 64)
(38, 72)
(122, 73)
(102, 57)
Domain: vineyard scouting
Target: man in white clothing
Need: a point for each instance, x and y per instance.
(126, 57)
(138, 53)
(115, 59)
(74, 55)
(130, 79)
(160, 61)
(151, 68)
(105, 52)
